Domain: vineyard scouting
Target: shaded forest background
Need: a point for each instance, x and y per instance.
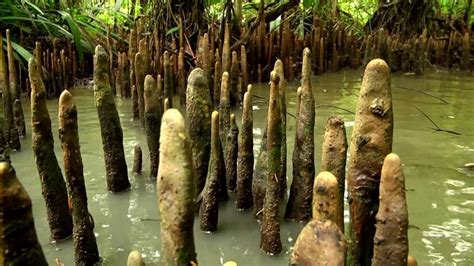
(89, 22)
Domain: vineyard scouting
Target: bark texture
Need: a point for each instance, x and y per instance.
(299, 202)
(153, 114)
(6, 95)
(167, 79)
(85, 245)
(111, 130)
(53, 186)
(19, 243)
(334, 153)
(209, 211)
(198, 121)
(279, 68)
(245, 158)
(371, 142)
(319, 243)
(231, 154)
(270, 241)
(391, 235)
(176, 192)
(326, 200)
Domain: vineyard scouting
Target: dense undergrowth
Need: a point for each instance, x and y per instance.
(87, 22)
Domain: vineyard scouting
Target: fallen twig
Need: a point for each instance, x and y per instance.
(436, 128)
(424, 92)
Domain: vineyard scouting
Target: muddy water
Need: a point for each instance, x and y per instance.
(440, 190)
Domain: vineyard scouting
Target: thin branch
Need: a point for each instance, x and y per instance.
(423, 92)
(437, 128)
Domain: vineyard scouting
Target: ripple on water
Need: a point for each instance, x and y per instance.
(452, 236)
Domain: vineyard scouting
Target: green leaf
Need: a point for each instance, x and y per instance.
(76, 33)
(20, 51)
(308, 3)
(34, 7)
(172, 30)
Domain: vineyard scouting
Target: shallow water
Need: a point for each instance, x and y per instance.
(440, 191)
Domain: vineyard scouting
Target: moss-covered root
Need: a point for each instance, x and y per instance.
(334, 153)
(282, 91)
(176, 192)
(217, 81)
(226, 59)
(19, 243)
(137, 160)
(6, 95)
(12, 72)
(167, 79)
(391, 235)
(245, 155)
(270, 241)
(111, 130)
(371, 142)
(224, 108)
(319, 242)
(153, 114)
(140, 72)
(135, 259)
(234, 80)
(198, 121)
(259, 177)
(231, 154)
(208, 211)
(326, 200)
(52, 183)
(19, 118)
(301, 191)
(85, 245)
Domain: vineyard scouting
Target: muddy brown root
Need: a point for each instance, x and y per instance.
(6, 95)
(153, 114)
(319, 243)
(198, 121)
(19, 118)
(326, 200)
(208, 211)
(216, 94)
(137, 160)
(53, 186)
(235, 96)
(270, 240)
(371, 141)
(176, 191)
(245, 158)
(224, 125)
(300, 199)
(231, 154)
(334, 153)
(167, 79)
(19, 243)
(85, 245)
(111, 130)
(279, 68)
(391, 235)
